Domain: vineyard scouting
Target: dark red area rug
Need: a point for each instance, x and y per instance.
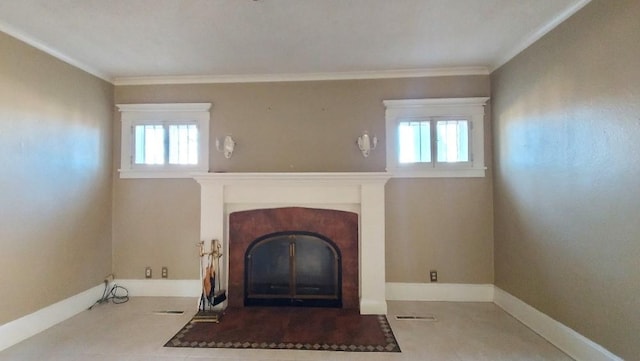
(328, 329)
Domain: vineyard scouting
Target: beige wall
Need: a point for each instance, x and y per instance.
(309, 126)
(567, 196)
(55, 187)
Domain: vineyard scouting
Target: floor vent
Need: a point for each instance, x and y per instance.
(416, 318)
(169, 312)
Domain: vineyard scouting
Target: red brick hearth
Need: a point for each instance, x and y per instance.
(339, 226)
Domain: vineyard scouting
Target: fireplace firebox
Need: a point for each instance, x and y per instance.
(295, 268)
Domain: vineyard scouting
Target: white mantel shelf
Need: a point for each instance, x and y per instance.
(360, 192)
(337, 177)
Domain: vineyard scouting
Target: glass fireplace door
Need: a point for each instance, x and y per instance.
(293, 269)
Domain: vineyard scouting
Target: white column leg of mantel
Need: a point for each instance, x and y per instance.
(372, 249)
(212, 214)
(212, 218)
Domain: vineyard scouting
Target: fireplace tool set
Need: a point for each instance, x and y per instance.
(210, 270)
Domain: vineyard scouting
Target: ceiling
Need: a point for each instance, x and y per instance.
(173, 41)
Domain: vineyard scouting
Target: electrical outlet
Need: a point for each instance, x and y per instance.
(165, 272)
(433, 275)
(147, 272)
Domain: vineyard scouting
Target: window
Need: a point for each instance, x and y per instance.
(414, 142)
(451, 141)
(435, 137)
(166, 143)
(164, 140)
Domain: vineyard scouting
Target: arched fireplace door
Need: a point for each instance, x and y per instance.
(301, 269)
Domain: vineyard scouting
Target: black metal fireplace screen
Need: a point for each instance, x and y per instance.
(301, 269)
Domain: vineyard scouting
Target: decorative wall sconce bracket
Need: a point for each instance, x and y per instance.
(367, 143)
(227, 146)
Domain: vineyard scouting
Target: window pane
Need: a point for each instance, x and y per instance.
(149, 143)
(414, 140)
(183, 144)
(452, 141)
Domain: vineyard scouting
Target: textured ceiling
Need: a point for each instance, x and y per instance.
(228, 39)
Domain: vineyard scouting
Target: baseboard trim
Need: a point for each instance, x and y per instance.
(452, 292)
(373, 307)
(569, 341)
(24, 327)
(161, 288)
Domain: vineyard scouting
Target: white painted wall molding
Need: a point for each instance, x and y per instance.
(254, 78)
(18, 330)
(24, 37)
(538, 33)
(161, 288)
(453, 292)
(572, 343)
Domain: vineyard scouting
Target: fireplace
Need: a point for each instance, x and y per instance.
(324, 240)
(298, 268)
(360, 195)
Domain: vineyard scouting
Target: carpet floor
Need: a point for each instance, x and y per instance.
(327, 329)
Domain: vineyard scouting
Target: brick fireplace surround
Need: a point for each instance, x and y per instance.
(339, 226)
(360, 193)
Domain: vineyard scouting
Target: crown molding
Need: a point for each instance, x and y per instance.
(260, 78)
(539, 33)
(28, 39)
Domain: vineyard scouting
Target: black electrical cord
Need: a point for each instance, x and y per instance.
(112, 294)
(118, 299)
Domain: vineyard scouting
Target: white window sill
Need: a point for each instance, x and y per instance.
(149, 174)
(439, 173)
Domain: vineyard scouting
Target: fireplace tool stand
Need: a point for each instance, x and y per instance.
(210, 297)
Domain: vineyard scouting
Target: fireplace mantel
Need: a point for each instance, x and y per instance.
(353, 178)
(363, 193)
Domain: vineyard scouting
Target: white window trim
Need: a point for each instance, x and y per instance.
(172, 112)
(471, 109)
